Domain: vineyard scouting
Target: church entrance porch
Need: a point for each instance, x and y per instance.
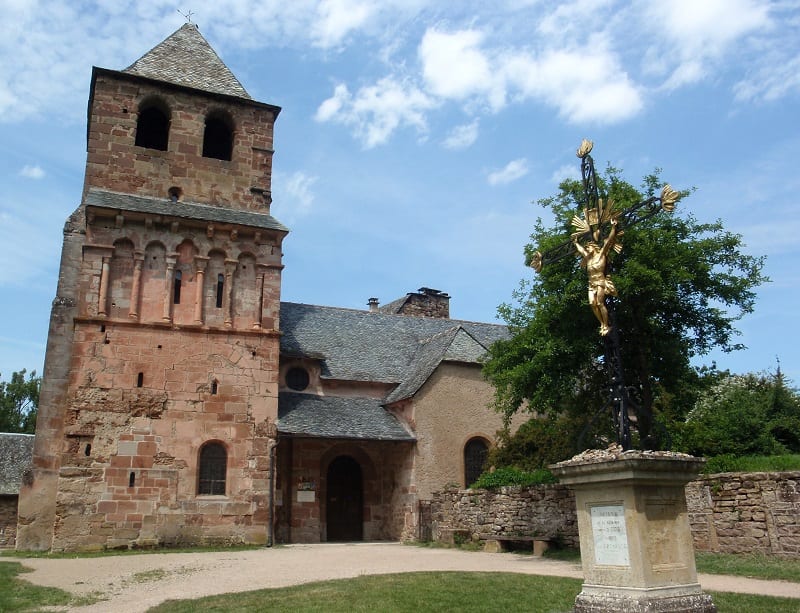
(340, 490)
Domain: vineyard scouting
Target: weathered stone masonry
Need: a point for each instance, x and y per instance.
(728, 512)
(746, 512)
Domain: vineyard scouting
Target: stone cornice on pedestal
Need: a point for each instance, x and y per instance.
(615, 466)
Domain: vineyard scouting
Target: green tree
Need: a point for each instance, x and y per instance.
(19, 401)
(682, 285)
(744, 415)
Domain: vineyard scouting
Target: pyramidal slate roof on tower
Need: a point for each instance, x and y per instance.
(185, 58)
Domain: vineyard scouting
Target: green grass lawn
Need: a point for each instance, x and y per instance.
(413, 592)
(16, 594)
(440, 591)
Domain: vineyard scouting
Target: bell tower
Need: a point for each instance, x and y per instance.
(159, 396)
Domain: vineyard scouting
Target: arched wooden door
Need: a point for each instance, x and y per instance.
(345, 500)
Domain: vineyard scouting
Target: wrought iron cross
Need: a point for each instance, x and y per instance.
(595, 235)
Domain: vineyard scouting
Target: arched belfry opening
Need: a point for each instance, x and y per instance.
(218, 136)
(345, 500)
(152, 125)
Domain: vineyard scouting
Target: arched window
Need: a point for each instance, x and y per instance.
(218, 137)
(475, 452)
(152, 127)
(213, 466)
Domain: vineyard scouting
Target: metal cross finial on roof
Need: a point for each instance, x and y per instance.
(595, 235)
(187, 15)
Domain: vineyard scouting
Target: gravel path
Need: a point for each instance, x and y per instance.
(137, 582)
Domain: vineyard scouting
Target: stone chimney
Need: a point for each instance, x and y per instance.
(372, 303)
(426, 302)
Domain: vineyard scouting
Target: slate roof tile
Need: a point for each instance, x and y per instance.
(368, 346)
(338, 417)
(184, 210)
(185, 58)
(454, 344)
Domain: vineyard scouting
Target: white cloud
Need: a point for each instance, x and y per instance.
(296, 188)
(515, 169)
(338, 18)
(585, 85)
(454, 67)
(567, 171)
(331, 107)
(691, 36)
(32, 172)
(462, 136)
(376, 111)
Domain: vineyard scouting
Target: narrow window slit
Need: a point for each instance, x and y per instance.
(140, 379)
(132, 479)
(220, 288)
(176, 294)
(87, 451)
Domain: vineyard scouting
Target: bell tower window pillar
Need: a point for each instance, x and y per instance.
(227, 297)
(168, 287)
(136, 284)
(200, 263)
(102, 307)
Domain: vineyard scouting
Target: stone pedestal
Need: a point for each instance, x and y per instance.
(636, 545)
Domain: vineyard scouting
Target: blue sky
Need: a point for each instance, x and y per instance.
(416, 136)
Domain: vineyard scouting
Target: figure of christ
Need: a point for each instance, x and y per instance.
(594, 259)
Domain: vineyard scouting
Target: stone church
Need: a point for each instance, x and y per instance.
(182, 401)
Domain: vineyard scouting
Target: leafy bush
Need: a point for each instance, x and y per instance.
(729, 463)
(744, 415)
(539, 442)
(510, 475)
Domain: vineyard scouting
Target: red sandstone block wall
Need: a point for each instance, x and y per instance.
(115, 163)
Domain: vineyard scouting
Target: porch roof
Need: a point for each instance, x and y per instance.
(338, 417)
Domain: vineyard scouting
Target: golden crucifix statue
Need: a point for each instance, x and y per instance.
(596, 215)
(594, 260)
(587, 238)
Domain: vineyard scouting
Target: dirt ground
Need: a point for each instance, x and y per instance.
(137, 582)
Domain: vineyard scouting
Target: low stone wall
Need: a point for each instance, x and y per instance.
(546, 510)
(746, 512)
(8, 522)
(728, 513)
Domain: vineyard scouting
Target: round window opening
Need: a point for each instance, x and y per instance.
(297, 379)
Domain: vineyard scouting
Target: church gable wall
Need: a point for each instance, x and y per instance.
(451, 408)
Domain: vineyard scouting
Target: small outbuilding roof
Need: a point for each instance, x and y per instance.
(338, 417)
(16, 454)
